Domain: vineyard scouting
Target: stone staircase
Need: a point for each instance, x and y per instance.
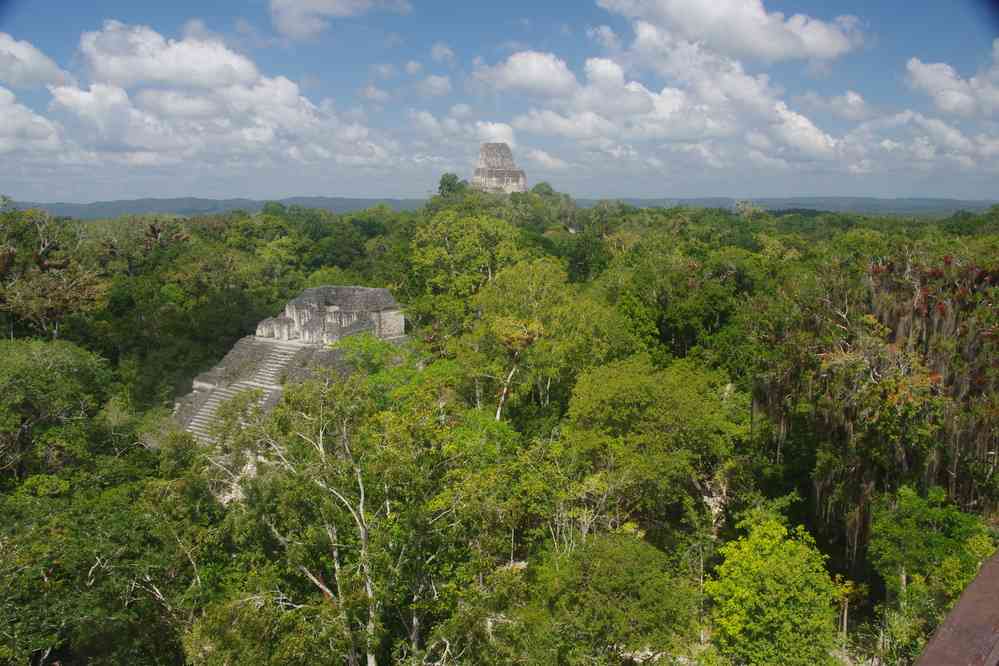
(266, 377)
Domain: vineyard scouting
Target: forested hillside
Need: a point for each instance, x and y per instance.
(615, 436)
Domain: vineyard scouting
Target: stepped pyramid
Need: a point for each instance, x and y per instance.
(287, 346)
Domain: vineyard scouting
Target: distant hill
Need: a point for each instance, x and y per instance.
(195, 206)
(862, 205)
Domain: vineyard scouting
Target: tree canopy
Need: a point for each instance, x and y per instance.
(588, 450)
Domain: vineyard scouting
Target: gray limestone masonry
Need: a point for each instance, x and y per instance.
(286, 347)
(497, 172)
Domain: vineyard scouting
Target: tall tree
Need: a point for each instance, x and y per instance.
(773, 598)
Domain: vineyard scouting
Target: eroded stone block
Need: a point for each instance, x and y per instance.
(496, 171)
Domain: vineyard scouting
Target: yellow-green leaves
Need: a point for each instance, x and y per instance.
(773, 599)
(455, 255)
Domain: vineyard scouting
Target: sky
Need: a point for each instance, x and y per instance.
(117, 99)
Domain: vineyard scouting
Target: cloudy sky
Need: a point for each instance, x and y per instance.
(111, 99)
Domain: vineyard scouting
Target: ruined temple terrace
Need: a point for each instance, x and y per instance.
(287, 347)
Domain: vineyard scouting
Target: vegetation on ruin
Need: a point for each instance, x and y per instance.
(616, 435)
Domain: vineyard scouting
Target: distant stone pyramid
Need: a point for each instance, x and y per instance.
(497, 172)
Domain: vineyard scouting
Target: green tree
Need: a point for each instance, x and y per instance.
(341, 521)
(588, 255)
(641, 443)
(533, 334)
(274, 208)
(543, 189)
(451, 185)
(342, 246)
(44, 275)
(773, 598)
(929, 538)
(104, 568)
(612, 600)
(454, 256)
(49, 391)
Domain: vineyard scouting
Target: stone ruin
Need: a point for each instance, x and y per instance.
(286, 348)
(323, 315)
(497, 172)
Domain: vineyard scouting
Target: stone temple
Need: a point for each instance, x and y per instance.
(286, 348)
(497, 172)
(325, 314)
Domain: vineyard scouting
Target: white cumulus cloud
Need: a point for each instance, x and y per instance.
(799, 133)
(608, 92)
(850, 105)
(126, 55)
(434, 86)
(605, 36)
(373, 93)
(572, 125)
(23, 130)
(911, 140)
(205, 105)
(304, 19)
(21, 64)
(546, 160)
(953, 94)
(455, 133)
(177, 103)
(499, 132)
(717, 80)
(746, 28)
(532, 72)
(441, 52)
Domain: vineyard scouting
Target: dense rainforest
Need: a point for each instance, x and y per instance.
(614, 436)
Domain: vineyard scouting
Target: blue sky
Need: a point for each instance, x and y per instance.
(270, 98)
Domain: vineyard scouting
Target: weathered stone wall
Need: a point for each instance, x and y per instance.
(500, 181)
(389, 324)
(496, 156)
(242, 368)
(325, 314)
(288, 347)
(496, 171)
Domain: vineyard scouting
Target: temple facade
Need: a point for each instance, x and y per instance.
(287, 348)
(496, 171)
(322, 315)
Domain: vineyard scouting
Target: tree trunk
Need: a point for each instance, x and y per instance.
(414, 633)
(331, 532)
(506, 390)
(369, 591)
(844, 620)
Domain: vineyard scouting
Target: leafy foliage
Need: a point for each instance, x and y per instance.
(587, 451)
(773, 598)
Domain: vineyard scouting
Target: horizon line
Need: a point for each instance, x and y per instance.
(574, 196)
